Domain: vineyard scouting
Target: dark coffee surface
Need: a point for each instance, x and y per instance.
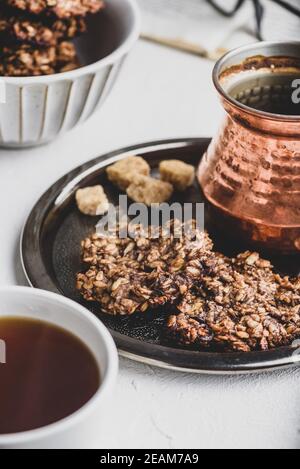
(275, 94)
(49, 374)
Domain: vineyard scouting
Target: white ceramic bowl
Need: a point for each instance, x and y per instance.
(38, 109)
(80, 429)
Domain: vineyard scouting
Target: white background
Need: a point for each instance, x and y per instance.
(160, 94)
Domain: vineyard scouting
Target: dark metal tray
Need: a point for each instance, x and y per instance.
(50, 252)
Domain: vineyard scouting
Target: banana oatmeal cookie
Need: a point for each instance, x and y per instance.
(58, 8)
(24, 60)
(32, 31)
(243, 304)
(230, 304)
(132, 274)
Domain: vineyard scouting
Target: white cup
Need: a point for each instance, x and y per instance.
(79, 429)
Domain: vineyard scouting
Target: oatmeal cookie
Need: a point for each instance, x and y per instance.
(135, 273)
(191, 331)
(243, 303)
(41, 33)
(24, 60)
(232, 304)
(58, 8)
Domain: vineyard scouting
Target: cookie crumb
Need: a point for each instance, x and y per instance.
(92, 201)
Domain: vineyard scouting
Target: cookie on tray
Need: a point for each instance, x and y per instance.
(133, 274)
(24, 60)
(28, 30)
(58, 8)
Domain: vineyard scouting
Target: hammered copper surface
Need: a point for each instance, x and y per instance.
(251, 176)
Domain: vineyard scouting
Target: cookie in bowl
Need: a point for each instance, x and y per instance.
(58, 8)
(23, 29)
(25, 60)
(33, 35)
(49, 89)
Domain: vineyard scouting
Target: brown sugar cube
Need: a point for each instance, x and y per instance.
(124, 172)
(178, 173)
(92, 200)
(148, 190)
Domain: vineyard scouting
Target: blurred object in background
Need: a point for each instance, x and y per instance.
(275, 19)
(195, 26)
(279, 22)
(230, 8)
(211, 27)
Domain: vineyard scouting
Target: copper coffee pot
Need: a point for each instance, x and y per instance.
(250, 174)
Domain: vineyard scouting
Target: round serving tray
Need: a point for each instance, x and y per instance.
(50, 253)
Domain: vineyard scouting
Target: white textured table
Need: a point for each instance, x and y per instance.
(160, 94)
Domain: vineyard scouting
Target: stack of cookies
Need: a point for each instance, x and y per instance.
(35, 35)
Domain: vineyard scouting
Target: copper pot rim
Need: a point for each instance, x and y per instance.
(256, 46)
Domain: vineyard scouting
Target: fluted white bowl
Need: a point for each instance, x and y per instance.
(35, 110)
